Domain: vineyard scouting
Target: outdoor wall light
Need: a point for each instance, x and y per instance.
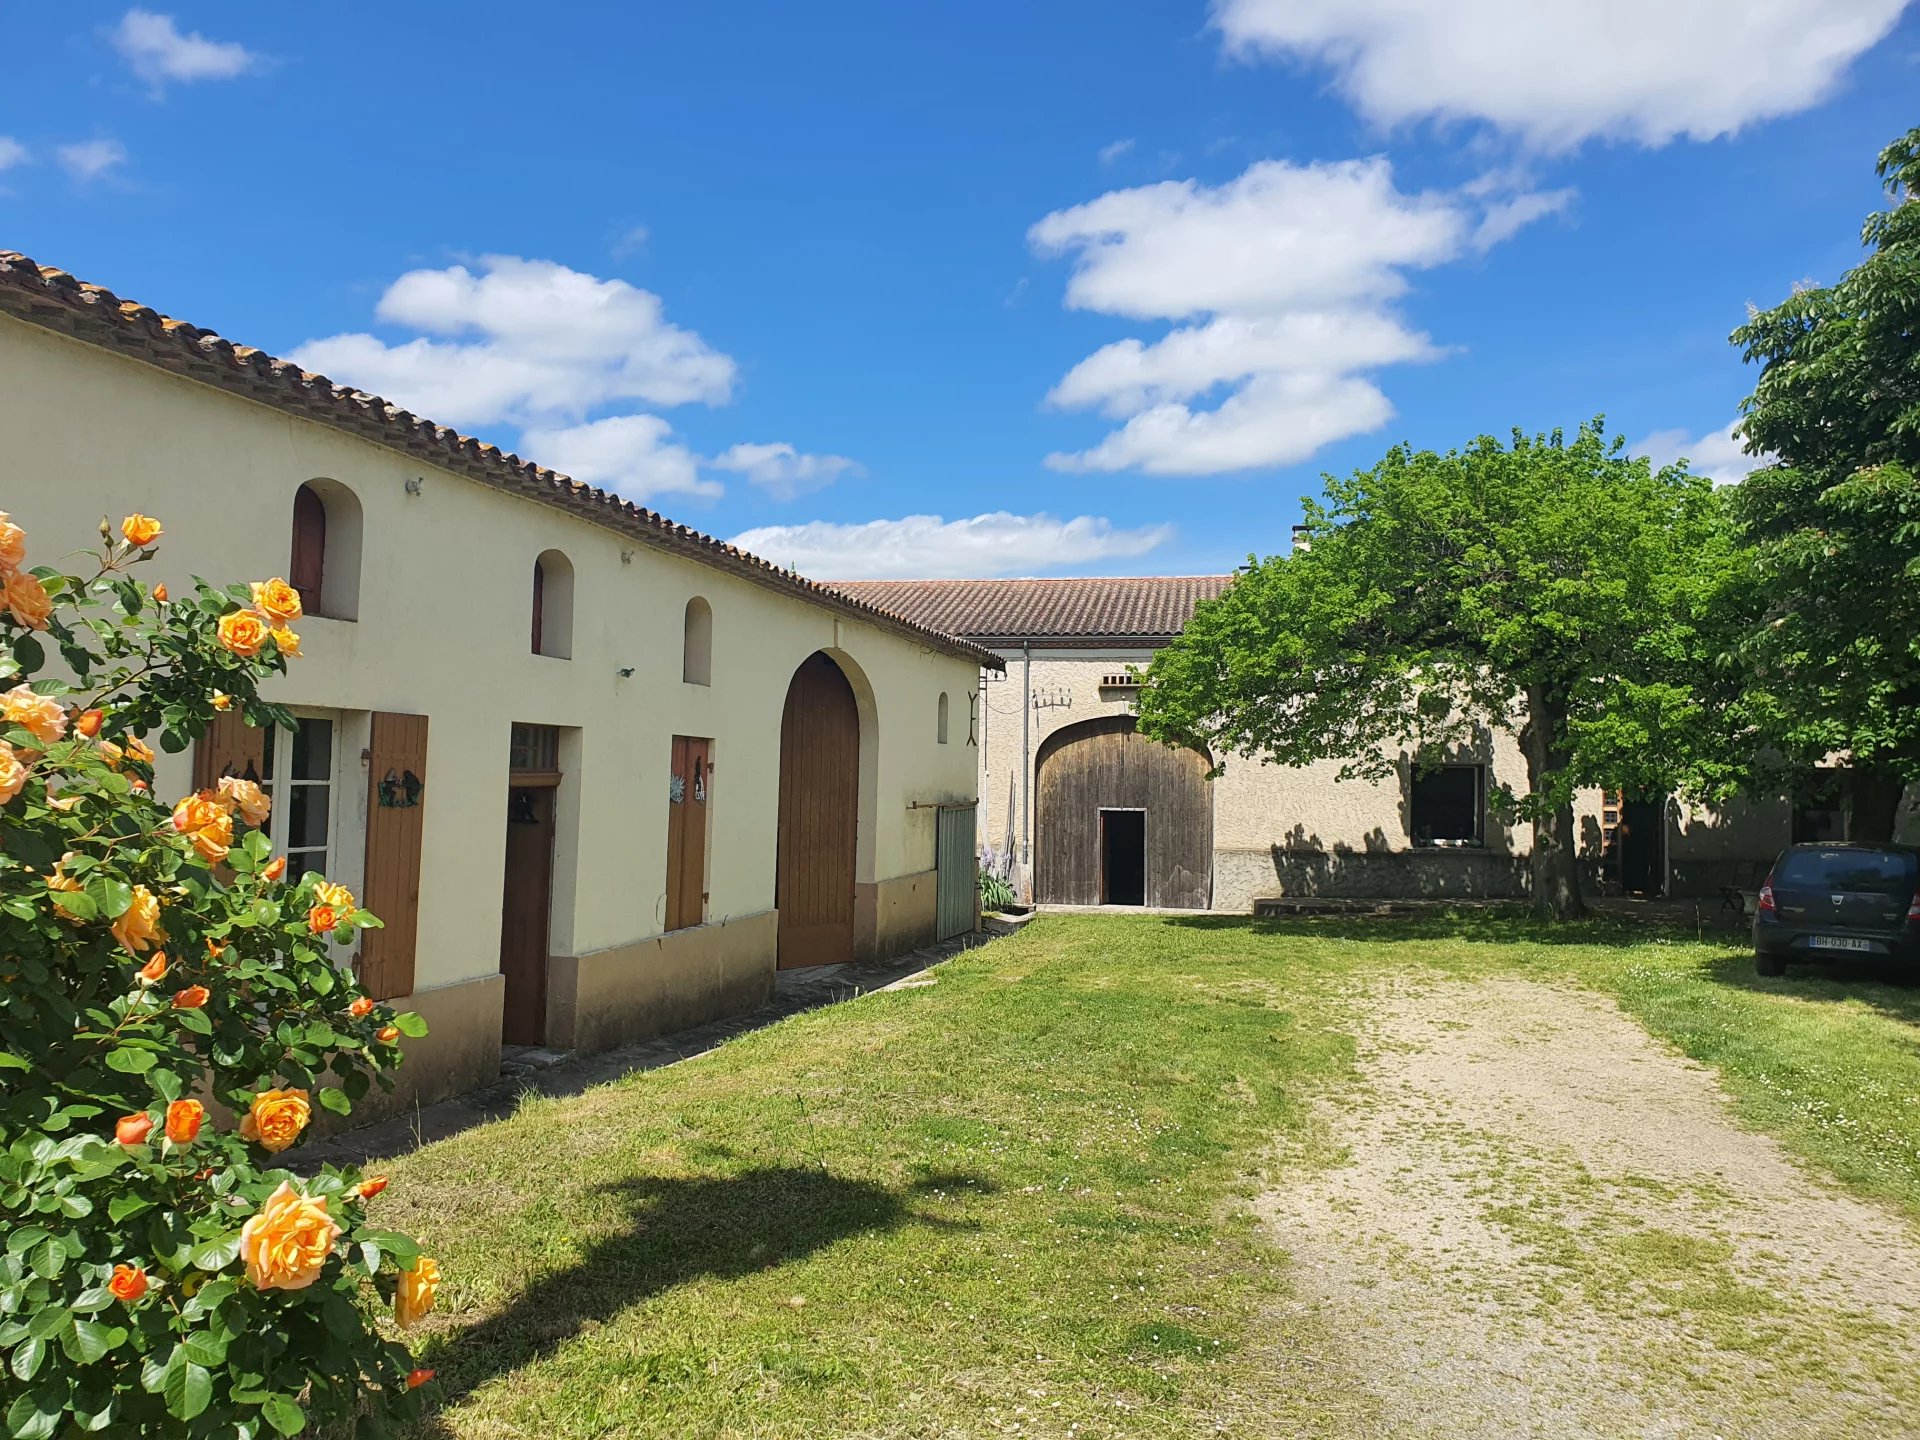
(416, 484)
(626, 672)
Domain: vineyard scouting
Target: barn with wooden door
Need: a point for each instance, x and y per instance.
(598, 773)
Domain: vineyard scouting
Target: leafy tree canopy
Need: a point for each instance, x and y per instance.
(1552, 589)
(1833, 639)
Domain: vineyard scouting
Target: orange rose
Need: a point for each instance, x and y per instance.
(276, 867)
(215, 949)
(27, 598)
(160, 593)
(321, 919)
(287, 1243)
(417, 1378)
(13, 775)
(413, 1296)
(155, 970)
(372, 1186)
(276, 1118)
(246, 797)
(361, 1008)
(140, 530)
(13, 545)
(242, 632)
(140, 750)
(387, 1034)
(58, 879)
(183, 1121)
(128, 1284)
(286, 642)
(88, 722)
(40, 715)
(133, 1129)
(221, 700)
(205, 820)
(277, 600)
(139, 927)
(191, 998)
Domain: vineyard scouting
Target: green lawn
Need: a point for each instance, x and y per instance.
(1014, 1201)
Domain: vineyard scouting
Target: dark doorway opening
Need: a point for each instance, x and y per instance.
(1123, 857)
(1643, 847)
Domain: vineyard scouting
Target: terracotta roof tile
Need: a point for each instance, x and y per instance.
(1153, 607)
(54, 300)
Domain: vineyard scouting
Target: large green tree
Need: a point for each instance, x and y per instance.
(1548, 588)
(1834, 640)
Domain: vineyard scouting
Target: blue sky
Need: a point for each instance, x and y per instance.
(1057, 288)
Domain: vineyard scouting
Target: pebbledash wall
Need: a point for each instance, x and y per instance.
(1282, 832)
(443, 629)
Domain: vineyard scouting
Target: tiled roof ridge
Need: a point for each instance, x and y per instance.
(45, 296)
(1075, 607)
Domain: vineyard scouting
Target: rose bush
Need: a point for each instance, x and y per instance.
(172, 1012)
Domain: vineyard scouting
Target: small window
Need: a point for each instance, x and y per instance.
(1448, 805)
(696, 652)
(940, 721)
(298, 775)
(553, 605)
(534, 749)
(324, 563)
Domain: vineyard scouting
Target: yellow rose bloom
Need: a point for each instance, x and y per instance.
(286, 1245)
(276, 1118)
(27, 598)
(39, 714)
(13, 775)
(243, 632)
(277, 600)
(13, 545)
(140, 530)
(287, 642)
(325, 892)
(204, 819)
(139, 927)
(246, 797)
(139, 750)
(413, 1297)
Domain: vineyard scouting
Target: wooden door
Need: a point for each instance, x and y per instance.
(396, 821)
(526, 904)
(687, 792)
(819, 806)
(1102, 765)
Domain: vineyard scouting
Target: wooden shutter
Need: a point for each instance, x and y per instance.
(230, 746)
(306, 571)
(687, 832)
(397, 799)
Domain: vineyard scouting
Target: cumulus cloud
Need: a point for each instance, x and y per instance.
(634, 455)
(1556, 74)
(523, 340)
(1113, 150)
(90, 159)
(782, 471)
(157, 52)
(1282, 284)
(928, 546)
(1720, 455)
(12, 153)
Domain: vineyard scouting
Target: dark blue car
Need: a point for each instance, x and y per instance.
(1827, 902)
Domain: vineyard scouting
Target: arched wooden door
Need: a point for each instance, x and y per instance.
(819, 806)
(1121, 819)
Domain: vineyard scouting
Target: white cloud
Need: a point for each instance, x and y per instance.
(1114, 150)
(927, 546)
(12, 153)
(546, 343)
(1289, 274)
(1557, 72)
(781, 470)
(157, 52)
(632, 454)
(630, 241)
(90, 159)
(1718, 454)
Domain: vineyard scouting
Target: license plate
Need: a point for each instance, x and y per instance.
(1837, 942)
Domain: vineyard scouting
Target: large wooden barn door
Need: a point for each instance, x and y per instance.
(1094, 779)
(819, 806)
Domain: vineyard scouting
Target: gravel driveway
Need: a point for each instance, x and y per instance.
(1549, 1224)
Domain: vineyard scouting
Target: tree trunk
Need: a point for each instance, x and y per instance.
(1556, 851)
(1873, 803)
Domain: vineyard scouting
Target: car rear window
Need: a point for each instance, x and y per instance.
(1874, 872)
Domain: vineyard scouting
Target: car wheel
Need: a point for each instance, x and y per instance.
(1765, 964)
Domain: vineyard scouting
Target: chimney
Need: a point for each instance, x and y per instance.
(1302, 541)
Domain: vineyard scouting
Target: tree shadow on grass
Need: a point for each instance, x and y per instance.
(679, 1230)
(1499, 925)
(1892, 989)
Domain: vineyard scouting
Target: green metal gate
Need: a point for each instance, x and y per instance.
(957, 862)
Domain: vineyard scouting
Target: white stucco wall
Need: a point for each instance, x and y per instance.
(443, 630)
